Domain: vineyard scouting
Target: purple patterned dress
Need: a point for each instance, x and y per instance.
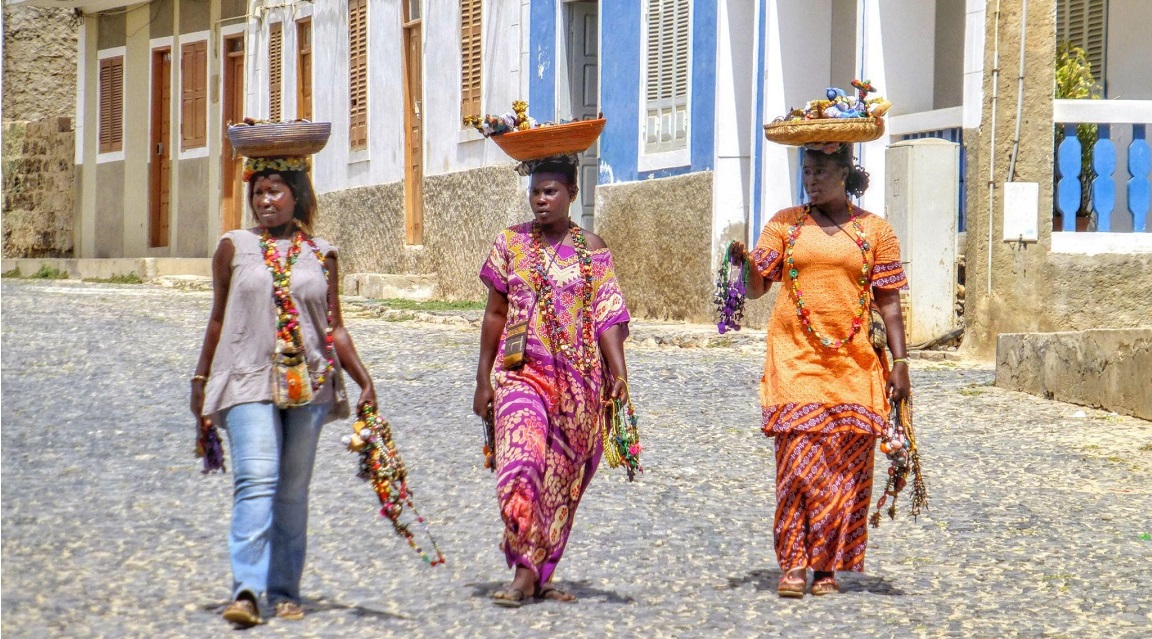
(548, 434)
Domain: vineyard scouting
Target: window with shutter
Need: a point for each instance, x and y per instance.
(471, 60)
(1084, 23)
(358, 74)
(111, 127)
(304, 69)
(193, 95)
(667, 75)
(275, 69)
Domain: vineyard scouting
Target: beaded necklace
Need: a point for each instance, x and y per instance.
(797, 294)
(582, 353)
(731, 291)
(287, 319)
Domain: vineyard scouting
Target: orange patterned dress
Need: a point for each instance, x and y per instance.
(825, 407)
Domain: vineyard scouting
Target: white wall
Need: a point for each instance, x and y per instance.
(1129, 50)
(907, 32)
(735, 39)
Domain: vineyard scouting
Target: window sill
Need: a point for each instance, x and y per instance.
(363, 155)
(110, 156)
(193, 153)
(468, 135)
(648, 162)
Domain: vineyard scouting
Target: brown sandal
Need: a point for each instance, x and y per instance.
(555, 594)
(509, 598)
(791, 585)
(825, 586)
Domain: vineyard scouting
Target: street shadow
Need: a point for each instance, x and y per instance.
(767, 579)
(581, 589)
(314, 606)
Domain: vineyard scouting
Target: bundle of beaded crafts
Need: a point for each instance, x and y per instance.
(210, 449)
(381, 465)
(622, 439)
(731, 291)
(899, 444)
(489, 440)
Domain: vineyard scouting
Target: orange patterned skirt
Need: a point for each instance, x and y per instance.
(823, 489)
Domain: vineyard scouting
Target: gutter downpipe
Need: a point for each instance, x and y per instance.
(992, 146)
(1019, 94)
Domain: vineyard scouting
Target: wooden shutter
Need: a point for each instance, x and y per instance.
(667, 77)
(111, 128)
(194, 95)
(304, 69)
(275, 69)
(471, 59)
(1084, 23)
(358, 74)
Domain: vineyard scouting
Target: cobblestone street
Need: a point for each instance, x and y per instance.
(1039, 523)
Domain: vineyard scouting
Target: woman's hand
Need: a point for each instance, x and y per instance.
(619, 389)
(739, 251)
(483, 398)
(367, 396)
(197, 405)
(899, 385)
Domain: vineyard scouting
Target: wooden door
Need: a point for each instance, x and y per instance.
(304, 69)
(583, 74)
(160, 164)
(413, 125)
(231, 177)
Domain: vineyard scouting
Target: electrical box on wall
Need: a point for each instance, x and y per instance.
(1021, 211)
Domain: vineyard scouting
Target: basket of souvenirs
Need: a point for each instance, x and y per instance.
(838, 118)
(256, 139)
(523, 139)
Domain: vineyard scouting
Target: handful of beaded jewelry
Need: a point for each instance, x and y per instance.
(210, 449)
(381, 465)
(899, 444)
(622, 438)
(731, 291)
(489, 440)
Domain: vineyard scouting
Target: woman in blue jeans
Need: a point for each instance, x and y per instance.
(274, 294)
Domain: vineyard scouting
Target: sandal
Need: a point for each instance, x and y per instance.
(289, 610)
(555, 594)
(825, 586)
(791, 585)
(242, 612)
(510, 598)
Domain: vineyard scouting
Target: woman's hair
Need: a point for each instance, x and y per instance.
(301, 186)
(559, 167)
(857, 180)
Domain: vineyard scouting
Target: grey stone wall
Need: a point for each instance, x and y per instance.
(39, 63)
(1100, 368)
(39, 192)
(463, 212)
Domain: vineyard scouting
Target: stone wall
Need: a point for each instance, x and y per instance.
(1033, 289)
(1100, 368)
(463, 212)
(39, 188)
(39, 63)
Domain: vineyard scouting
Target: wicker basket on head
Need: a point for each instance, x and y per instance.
(546, 141)
(278, 140)
(801, 132)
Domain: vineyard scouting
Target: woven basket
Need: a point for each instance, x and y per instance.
(542, 142)
(800, 132)
(285, 139)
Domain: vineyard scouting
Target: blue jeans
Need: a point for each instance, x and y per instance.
(273, 451)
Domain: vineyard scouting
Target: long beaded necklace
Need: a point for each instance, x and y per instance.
(583, 352)
(731, 291)
(287, 318)
(798, 295)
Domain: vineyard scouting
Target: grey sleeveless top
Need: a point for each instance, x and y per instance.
(242, 365)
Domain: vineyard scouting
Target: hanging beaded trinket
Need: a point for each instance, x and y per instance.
(731, 291)
(622, 438)
(899, 444)
(798, 294)
(380, 464)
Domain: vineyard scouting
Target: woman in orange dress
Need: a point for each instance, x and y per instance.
(825, 391)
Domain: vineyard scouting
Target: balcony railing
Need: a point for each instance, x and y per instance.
(1118, 195)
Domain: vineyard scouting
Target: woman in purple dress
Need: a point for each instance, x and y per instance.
(548, 407)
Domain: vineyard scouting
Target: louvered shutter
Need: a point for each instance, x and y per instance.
(111, 126)
(194, 95)
(471, 60)
(668, 76)
(275, 69)
(1084, 23)
(304, 70)
(358, 74)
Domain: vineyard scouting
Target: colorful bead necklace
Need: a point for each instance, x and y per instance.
(804, 313)
(288, 335)
(731, 291)
(583, 352)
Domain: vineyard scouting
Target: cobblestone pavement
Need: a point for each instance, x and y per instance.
(1039, 524)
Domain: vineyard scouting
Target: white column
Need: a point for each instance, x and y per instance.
(871, 154)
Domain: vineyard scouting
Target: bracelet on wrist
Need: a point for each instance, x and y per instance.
(899, 360)
(199, 378)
